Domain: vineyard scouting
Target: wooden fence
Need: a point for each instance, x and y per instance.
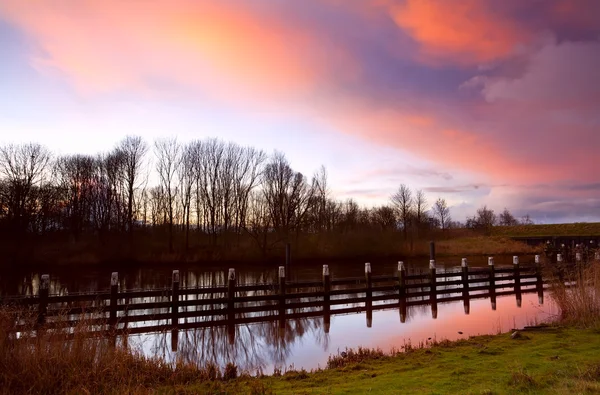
(120, 311)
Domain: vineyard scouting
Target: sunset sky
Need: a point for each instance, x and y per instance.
(476, 101)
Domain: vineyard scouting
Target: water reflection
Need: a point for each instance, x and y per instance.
(305, 343)
(259, 338)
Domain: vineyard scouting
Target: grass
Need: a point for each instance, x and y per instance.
(555, 360)
(482, 245)
(559, 361)
(573, 229)
(151, 249)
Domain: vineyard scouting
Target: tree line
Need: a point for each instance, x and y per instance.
(219, 190)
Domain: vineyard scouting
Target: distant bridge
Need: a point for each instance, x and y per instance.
(558, 241)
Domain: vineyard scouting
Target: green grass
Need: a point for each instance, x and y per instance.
(555, 361)
(574, 229)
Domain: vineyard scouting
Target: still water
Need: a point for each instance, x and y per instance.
(303, 343)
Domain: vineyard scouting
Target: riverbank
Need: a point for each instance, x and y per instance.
(552, 360)
(307, 248)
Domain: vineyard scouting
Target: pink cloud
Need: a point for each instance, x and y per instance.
(107, 46)
(463, 32)
(535, 125)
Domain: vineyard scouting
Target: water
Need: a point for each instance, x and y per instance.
(304, 342)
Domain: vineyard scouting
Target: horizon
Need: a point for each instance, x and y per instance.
(480, 103)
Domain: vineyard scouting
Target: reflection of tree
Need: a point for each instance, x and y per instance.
(254, 346)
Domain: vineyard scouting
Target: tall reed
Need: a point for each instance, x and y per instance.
(68, 360)
(576, 291)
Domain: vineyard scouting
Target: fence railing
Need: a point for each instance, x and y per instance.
(122, 311)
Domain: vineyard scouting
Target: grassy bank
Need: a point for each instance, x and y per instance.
(550, 361)
(306, 247)
(574, 229)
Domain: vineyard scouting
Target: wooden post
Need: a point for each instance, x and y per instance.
(326, 298)
(368, 291)
(432, 251)
(231, 334)
(174, 339)
(368, 294)
(517, 280)
(114, 290)
(465, 285)
(175, 300)
(433, 289)
(43, 296)
(492, 281)
(402, 290)
(539, 280)
(231, 295)
(281, 297)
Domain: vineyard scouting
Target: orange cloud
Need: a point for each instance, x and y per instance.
(462, 31)
(107, 46)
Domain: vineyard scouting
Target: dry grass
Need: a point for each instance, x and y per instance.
(576, 291)
(574, 229)
(38, 363)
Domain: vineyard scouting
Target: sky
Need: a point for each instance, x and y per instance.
(479, 102)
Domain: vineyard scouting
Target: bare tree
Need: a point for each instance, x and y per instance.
(420, 209)
(484, 220)
(526, 220)
(507, 219)
(441, 211)
(258, 224)
(384, 217)
(287, 193)
(247, 177)
(133, 149)
(187, 178)
(168, 157)
(23, 167)
(403, 203)
(76, 176)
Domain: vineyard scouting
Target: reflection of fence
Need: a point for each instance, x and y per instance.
(130, 311)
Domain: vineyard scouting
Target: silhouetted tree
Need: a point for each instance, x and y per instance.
(168, 158)
(403, 203)
(441, 211)
(507, 219)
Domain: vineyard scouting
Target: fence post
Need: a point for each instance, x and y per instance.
(517, 280)
(175, 300)
(281, 297)
(402, 290)
(433, 289)
(114, 290)
(231, 295)
(492, 281)
(465, 285)
(539, 280)
(326, 298)
(174, 339)
(43, 296)
(368, 292)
